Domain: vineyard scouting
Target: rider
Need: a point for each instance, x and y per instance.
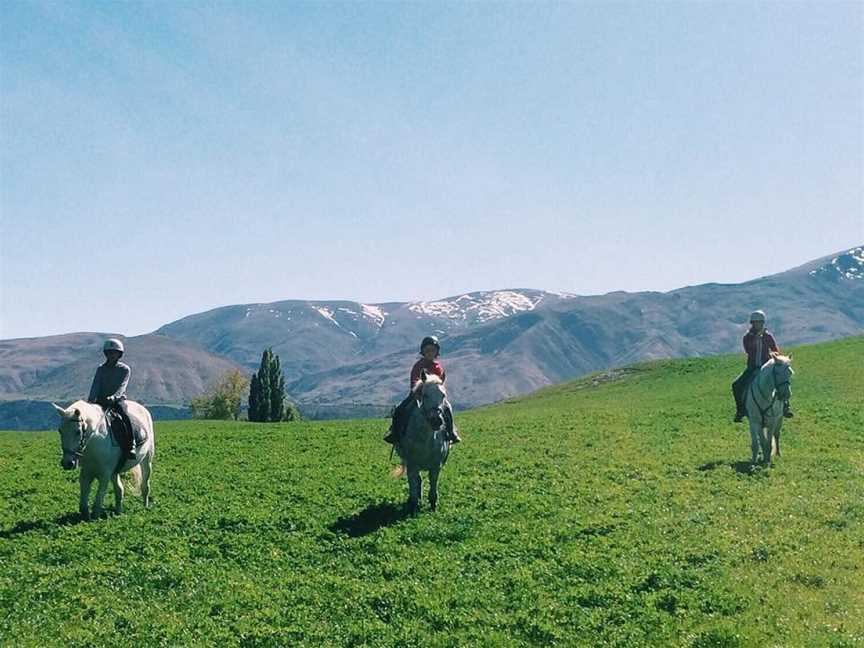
(759, 344)
(430, 349)
(109, 387)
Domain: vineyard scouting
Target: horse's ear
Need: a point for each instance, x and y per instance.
(423, 376)
(77, 413)
(790, 357)
(60, 410)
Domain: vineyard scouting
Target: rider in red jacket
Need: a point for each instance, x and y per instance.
(430, 349)
(759, 344)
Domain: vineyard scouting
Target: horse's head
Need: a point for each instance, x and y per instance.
(72, 435)
(783, 375)
(432, 395)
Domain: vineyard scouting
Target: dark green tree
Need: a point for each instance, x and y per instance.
(264, 386)
(277, 390)
(254, 412)
(267, 390)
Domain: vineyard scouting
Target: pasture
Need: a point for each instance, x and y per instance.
(616, 510)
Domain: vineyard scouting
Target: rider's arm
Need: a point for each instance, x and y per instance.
(748, 347)
(94, 389)
(415, 374)
(772, 344)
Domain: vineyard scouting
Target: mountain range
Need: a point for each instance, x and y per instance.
(350, 358)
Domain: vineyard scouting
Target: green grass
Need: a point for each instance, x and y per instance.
(618, 513)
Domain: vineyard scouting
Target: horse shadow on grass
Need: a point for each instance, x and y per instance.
(740, 467)
(67, 519)
(370, 519)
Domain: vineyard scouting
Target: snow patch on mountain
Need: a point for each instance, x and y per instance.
(327, 314)
(849, 265)
(375, 313)
(479, 307)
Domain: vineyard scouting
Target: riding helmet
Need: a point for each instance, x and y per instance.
(757, 316)
(430, 340)
(113, 344)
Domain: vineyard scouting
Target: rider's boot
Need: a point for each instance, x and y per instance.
(391, 437)
(787, 411)
(453, 435)
(739, 416)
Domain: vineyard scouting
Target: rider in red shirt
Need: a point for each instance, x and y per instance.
(759, 345)
(430, 349)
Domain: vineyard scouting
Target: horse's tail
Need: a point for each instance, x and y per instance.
(134, 477)
(399, 471)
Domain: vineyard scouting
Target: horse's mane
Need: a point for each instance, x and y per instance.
(89, 412)
(782, 359)
(431, 379)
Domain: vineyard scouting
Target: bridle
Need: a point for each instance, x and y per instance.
(429, 414)
(753, 384)
(83, 438)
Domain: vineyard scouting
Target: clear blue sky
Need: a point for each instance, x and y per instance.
(163, 158)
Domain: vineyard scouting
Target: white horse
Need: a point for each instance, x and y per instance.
(86, 442)
(764, 402)
(424, 445)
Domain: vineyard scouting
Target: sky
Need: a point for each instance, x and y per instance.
(159, 159)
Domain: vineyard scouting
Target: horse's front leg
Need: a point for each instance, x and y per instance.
(765, 436)
(100, 494)
(118, 493)
(433, 487)
(414, 486)
(755, 432)
(146, 469)
(85, 481)
(776, 436)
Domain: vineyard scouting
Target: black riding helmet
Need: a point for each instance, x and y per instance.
(430, 340)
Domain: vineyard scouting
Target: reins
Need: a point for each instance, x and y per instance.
(753, 383)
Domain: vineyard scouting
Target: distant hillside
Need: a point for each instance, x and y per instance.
(345, 358)
(822, 300)
(312, 336)
(61, 367)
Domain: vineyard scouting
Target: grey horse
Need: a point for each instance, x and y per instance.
(764, 402)
(424, 444)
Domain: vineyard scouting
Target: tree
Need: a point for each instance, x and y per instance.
(223, 400)
(277, 390)
(267, 390)
(254, 399)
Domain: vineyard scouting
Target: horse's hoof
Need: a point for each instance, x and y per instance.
(433, 505)
(412, 507)
(85, 516)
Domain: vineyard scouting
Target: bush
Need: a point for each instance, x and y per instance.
(291, 412)
(223, 401)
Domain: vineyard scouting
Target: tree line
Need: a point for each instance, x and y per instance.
(266, 395)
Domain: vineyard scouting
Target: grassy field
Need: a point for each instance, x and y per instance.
(602, 512)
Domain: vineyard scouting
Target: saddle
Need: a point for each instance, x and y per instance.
(125, 433)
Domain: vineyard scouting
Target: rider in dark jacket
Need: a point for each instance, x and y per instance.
(759, 344)
(430, 349)
(109, 386)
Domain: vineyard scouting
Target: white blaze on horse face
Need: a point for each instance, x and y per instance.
(433, 395)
